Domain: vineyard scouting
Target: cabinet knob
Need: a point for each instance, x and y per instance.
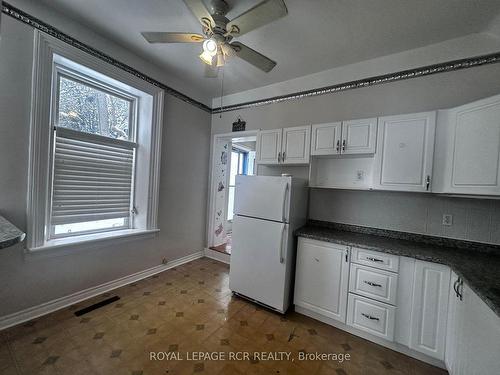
(374, 259)
(343, 145)
(427, 183)
(279, 157)
(338, 145)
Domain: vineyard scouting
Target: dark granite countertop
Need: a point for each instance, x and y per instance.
(9, 234)
(477, 264)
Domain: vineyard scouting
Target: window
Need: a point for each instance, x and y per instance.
(96, 130)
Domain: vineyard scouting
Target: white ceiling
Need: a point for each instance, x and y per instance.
(316, 34)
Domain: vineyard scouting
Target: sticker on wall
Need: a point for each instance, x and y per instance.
(220, 187)
(219, 230)
(223, 158)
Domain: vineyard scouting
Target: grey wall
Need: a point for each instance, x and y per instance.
(474, 219)
(28, 280)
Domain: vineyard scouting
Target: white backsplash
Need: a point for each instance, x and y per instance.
(473, 219)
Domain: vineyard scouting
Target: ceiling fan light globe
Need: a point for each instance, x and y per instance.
(210, 47)
(207, 58)
(220, 59)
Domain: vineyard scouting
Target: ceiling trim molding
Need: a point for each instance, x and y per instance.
(46, 28)
(423, 71)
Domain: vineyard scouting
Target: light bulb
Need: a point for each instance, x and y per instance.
(210, 46)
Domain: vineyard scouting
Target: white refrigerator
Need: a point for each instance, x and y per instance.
(267, 210)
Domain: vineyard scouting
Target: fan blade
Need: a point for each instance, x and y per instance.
(260, 15)
(211, 71)
(165, 37)
(253, 57)
(199, 10)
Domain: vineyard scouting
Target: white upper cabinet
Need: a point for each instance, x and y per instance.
(284, 146)
(405, 148)
(326, 138)
(321, 278)
(429, 308)
(359, 136)
(296, 145)
(467, 159)
(269, 146)
(347, 137)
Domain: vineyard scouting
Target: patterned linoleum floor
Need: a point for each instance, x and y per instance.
(180, 311)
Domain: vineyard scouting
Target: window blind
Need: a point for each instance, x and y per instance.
(92, 178)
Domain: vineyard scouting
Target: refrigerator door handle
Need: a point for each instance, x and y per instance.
(284, 203)
(282, 259)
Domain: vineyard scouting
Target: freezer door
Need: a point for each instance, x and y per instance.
(258, 260)
(263, 197)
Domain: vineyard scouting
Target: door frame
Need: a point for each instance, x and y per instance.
(212, 190)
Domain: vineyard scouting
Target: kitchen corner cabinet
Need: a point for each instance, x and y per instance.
(467, 159)
(284, 146)
(429, 308)
(405, 148)
(321, 280)
(473, 333)
(347, 137)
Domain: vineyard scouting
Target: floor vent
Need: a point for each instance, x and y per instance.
(96, 305)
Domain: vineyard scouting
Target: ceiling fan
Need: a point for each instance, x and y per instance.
(218, 33)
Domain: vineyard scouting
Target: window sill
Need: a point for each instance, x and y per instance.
(92, 239)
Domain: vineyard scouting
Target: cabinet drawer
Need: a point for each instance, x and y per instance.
(373, 283)
(371, 316)
(375, 259)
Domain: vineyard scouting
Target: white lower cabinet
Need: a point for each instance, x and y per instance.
(429, 308)
(473, 333)
(405, 304)
(321, 278)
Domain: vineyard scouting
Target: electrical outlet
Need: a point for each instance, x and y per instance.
(447, 220)
(360, 175)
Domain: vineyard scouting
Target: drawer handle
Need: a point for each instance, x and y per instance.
(370, 317)
(371, 283)
(374, 259)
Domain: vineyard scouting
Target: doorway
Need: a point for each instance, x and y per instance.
(233, 154)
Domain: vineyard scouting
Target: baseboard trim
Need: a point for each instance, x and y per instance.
(377, 340)
(59, 303)
(217, 255)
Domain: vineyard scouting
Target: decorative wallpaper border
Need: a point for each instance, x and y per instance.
(448, 66)
(46, 28)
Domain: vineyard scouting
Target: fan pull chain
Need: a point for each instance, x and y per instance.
(221, 91)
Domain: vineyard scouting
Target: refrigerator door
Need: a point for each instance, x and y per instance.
(258, 260)
(263, 197)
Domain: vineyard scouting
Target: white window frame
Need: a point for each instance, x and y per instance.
(51, 56)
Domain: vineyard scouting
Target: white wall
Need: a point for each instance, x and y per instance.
(477, 220)
(28, 280)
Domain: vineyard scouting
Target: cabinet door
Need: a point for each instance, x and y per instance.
(268, 146)
(359, 136)
(321, 278)
(469, 142)
(453, 328)
(429, 308)
(480, 344)
(405, 147)
(326, 139)
(296, 145)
